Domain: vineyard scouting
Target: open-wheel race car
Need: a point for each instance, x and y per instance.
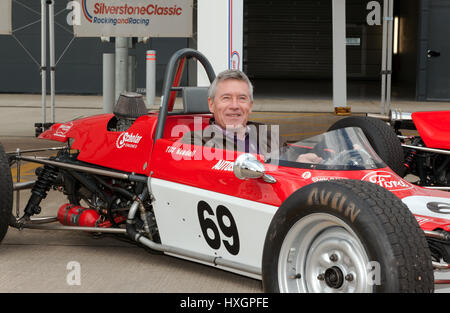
(346, 224)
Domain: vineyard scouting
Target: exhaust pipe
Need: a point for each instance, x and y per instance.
(441, 266)
(398, 115)
(382, 117)
(393, 116)
(437, 235)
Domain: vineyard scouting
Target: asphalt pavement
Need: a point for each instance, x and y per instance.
(63, 261)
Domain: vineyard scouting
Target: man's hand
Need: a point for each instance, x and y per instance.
(309, 158)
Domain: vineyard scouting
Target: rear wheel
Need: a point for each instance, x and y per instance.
(382, 138)
(345, 236)
(6, 193)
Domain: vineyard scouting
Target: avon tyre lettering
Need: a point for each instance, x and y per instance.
(226, 223)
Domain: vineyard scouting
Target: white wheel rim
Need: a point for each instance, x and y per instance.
(321, 253)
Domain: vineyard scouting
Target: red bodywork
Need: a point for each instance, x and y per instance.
(168, 159)
(106, 148)
(434, 128)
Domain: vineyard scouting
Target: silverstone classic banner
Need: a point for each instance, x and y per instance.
(5, 17)
(133, 18)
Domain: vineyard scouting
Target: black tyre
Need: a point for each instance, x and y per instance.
(345, 236)
(6, 193)
(382, 138)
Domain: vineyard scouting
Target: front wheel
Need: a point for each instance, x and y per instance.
(6, 193)
(345, 236)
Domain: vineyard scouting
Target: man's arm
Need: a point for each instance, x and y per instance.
(309, 158)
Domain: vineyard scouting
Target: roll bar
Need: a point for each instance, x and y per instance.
(172, 79)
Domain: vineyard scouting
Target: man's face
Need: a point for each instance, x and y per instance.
(231, 105)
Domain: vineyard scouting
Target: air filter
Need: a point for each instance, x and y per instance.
(130, 105)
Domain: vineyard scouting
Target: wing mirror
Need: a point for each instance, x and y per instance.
(247, 166)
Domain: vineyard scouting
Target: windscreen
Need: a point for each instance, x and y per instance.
(341, 149)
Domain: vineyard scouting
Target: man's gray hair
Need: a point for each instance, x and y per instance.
(230, 74)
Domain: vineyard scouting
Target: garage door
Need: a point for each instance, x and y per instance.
(434, 74)
(293, 39)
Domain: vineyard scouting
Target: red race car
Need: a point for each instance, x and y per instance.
(346, 224)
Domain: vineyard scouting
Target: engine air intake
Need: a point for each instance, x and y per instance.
(130, 106)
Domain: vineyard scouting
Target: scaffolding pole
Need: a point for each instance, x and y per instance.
(44, 59)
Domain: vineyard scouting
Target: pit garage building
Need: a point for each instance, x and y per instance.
(287, 50)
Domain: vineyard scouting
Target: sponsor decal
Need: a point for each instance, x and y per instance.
(129, 13)
(151, 9)
(131, 18)
(306, 175)
(422, 220)
(223, 165)
(326, 178)
(431, 222)
(185, 153)
(387, 180)
(63, 130)
(128, 140)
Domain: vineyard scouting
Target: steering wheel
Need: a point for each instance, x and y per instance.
(353, 157)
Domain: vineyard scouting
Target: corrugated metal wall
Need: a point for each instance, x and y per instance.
(293, 39)
(80, 70)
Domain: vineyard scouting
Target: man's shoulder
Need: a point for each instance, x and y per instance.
(201, 136)
(192, 136)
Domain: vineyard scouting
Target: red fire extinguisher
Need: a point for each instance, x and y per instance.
(75, 215)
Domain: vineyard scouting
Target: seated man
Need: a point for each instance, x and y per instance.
(230, 99)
